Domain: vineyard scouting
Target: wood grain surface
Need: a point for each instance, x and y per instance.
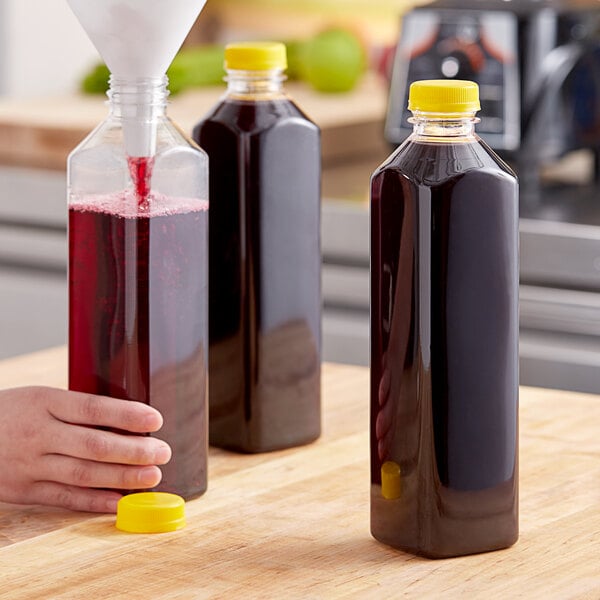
(40, 132)
(295, 524)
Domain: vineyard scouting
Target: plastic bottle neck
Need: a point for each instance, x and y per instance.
(444, 127)
(255, 84)
(139, 105)
(139, 98)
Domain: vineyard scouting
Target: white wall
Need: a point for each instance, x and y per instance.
(44, 49)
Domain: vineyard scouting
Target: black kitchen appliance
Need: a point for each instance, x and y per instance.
(537, 63)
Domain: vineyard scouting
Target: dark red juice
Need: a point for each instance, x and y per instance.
(264, 274)
(444, 350)
(138, 317)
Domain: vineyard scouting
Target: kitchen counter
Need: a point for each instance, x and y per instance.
(295, 524)
(40, 132)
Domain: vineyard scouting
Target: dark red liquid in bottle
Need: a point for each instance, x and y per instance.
(138, 317)
(444, 350)
(264, 274)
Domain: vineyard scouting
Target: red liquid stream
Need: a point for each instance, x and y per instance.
(140, 169)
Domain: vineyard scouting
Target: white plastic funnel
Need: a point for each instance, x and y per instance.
(137, 39)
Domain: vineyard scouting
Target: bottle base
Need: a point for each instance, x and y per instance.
(448, 524)
(442, 552)
(194, 493)
(187, 494)
(268, 446)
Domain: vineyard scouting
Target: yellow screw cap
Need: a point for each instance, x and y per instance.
(150, 512)
(444, 96)
(255, 56)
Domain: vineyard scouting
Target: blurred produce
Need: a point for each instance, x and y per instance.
(96, 82)
(295, 48)
(333, 60)
(378, 21)
(192, 67)
(197, 67)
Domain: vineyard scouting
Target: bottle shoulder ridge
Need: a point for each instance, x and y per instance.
(409, 161)
(500, 163)
(394, 162)
(211, 120)
(300, 112)
(287, 113)
(230, 114)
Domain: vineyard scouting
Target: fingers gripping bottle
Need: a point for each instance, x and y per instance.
(444, 334)
(264, 292)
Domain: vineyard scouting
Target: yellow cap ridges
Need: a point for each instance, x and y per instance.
(150, 512)
(255, 56)
(444, 96)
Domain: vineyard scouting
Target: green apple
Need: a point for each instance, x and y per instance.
(333, 60)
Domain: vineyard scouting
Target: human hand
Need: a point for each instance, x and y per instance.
(51, 452)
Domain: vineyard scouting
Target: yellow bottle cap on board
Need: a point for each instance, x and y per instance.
(443, 96)
(150, 512)
(255, 56)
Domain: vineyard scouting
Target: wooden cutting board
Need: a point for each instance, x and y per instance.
(41, 132)
(295, 523)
